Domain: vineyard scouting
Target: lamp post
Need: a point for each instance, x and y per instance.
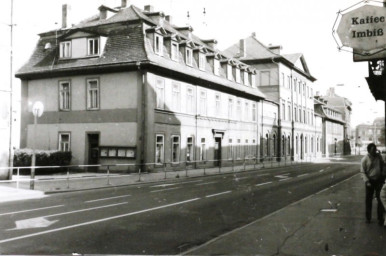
(37, 111)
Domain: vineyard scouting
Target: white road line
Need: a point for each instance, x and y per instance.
(107, 198)
(321, 170)
(259, 175)
(241, 178)
(31, 210)
(166, 189)
(163, 185)
(301, 175)
(218, 194)
(285, 174)
(262, 184)
(94, 221)
(285, 179)
(206, 183)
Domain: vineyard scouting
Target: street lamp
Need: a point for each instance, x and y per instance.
(37, 111)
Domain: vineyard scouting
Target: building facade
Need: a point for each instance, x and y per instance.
(371, 133)
(285, 80)
(129, 87)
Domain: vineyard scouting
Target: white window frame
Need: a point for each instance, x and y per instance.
(218, 104)
(91, 49)
(176, 96)
(93, 95)
(230, 108)
(189, 56)
(174, 48)
(238, 75)
(253, 80)
(178, 152)
(191, 152)
(254, 112)
(246, 111)
(64, 146)
(239, 109)
(64, 96)
(201, 61)
(159, 155)
(190, 104)
(203, 102)
(158, 44)
(160, 93)
(65, 49)
(216, 67)
(229, 72)
(202, 149)
(246, 78)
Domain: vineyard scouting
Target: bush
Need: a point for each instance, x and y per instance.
(23, 157)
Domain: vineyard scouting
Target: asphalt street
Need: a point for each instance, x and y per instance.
(168, 217)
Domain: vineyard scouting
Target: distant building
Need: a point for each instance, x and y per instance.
(129, 86)
(286, 80)
(5, 133)
(371, 133)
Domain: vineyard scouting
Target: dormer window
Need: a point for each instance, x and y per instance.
(65, 49)
(216, 67)
(189, 56)
(158, 44)
(253, 80)
(174, 51)
(229, 72)
(201, 61)
(246, 80)
(238, 75)
(93, 46)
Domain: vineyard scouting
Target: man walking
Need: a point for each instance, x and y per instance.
(372, 175)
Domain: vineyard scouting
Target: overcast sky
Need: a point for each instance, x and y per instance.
(299, 26)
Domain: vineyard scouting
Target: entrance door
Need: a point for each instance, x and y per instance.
(217, 151)
(93, 150)
(301, 147)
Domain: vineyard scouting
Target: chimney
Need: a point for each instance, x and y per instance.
(169, 19)
(243, 48)
(123, 3)
(275, 48)
(66, 15)
(211, 43)
(253, 34)
(331, 92)
(149, 8)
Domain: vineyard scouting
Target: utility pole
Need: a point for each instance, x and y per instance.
(10, 162)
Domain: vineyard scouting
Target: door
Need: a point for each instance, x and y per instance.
(93, 150)
(217, 151)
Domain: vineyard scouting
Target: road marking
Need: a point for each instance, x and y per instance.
(285, 179)
(301, 175)
(95, 221)
(107, 198)
(262, 184)
(31, 210)
(163, 185)
(259, 175)
(282, 176)
(166, 189)
(242, 178)
(321, 170)
(218, 194)
(39, 222)
(206, 183)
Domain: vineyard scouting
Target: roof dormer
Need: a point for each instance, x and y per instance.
(106, 12)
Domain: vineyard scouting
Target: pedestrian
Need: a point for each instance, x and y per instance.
(374, 178)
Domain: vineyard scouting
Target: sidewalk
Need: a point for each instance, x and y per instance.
(330, 222)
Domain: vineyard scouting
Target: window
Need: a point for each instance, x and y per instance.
(304, 89)
(175, 149)
(201, 61)
(176, 99)
(189, 100)
(92, 94)
(230, 149)
(218, 105)
(189, 149)
(238, 107)
(64, 95)
(295, 86)
(238, 75)
(304, 116)
(93, 46)
(246, 79)
(203, 102)
(160, 90)
(264, 78)
(65, 49)
(158, 44)
(289, 112)
(174, 51)
(296, 114)
(203, 150)
(159, 149)
(64, 142)
(254, 112)
(189, 56)
(300, 115)
(229, 72)
(253, 80)
(216, 67)
(289, 145)
(289, 82)
(282, 80)
(230, 108)
(246, 112)
(283, 111)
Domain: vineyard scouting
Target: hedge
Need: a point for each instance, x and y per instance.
(23, 157)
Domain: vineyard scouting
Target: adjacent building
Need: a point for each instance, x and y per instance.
(129, 86)
(371, 133)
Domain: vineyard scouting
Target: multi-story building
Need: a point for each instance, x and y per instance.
(285, 80)
(129, 86)
(343, 105)
(371, 133)
(332, 124)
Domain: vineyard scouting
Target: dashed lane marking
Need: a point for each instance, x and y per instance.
(218, 194)
(262, 184)
(95, 221)
(107, 198)
(32, 210)
(301, 175)
(166, 189)
(206, 183)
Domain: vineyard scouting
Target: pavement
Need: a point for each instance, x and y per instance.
(330, 222)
